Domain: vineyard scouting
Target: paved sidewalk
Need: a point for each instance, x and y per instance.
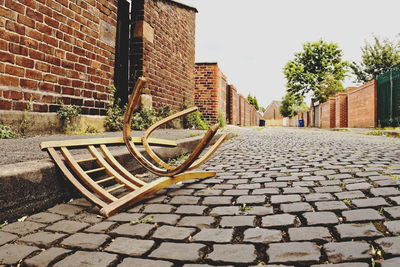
(295, 197)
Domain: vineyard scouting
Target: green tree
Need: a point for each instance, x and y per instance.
(377, 57)
(253, 101)
(328, 87)
(311, 66)
(291, 104)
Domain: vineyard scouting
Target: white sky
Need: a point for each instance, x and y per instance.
(253, 39)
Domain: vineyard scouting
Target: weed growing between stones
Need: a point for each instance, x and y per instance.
(7, 133)
(143, 220)
(114, 113)
(66, 114)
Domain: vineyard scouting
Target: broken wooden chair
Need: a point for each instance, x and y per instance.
(110, 185)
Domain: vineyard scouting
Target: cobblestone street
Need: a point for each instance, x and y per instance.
(296, 197)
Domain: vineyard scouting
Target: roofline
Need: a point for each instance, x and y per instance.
(178, 3)
(206, 63)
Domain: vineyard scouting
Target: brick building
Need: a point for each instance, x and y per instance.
(163, 50)
(272, 111)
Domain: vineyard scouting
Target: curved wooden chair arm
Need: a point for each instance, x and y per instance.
(167, 171)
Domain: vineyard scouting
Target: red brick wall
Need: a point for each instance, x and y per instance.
(163, 50)
(52, 51)
(272, 112)
(242, 110)
(328, 113)
(233, 106)
(341, 110)
(210, 91)
(362, 106)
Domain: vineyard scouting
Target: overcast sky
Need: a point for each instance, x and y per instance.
(253, 39)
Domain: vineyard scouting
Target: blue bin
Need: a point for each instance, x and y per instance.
(301, 123)
(262, 123)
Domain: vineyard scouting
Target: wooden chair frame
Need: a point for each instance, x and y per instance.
(107, 190)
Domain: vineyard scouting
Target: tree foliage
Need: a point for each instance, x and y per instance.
(253, 101)
(311, 66)
(377, 57)
(327, 88)
(291, 104)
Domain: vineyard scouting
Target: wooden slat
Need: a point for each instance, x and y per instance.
(95, 170)
(85, 160)
(105, 180)
(116, 188)
(89, 195)
(119, 168)
(118, 177)
(85, 178)
(104, 141)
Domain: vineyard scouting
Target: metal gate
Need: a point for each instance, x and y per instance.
(388, 98)
(316, 116)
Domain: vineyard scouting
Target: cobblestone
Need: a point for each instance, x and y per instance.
(131, 247)
(347, 251)
(316, 218)
(12, 254)
(214, 235)
(362, 215)
(278, 220)
(235, 221)
(46, 257)
(357, 230)
(22, 228)
(166, 232)
(178, 251)
(89, 259)
(264, 236)
(69, 227)
(42, 238)
(390, 245)
(233, 253)
(293, 252)
(130, 262)
(85, 241)
(309, 234)
(137, 230)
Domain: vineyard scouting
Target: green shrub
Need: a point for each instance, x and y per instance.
(194, 120)
(221, 120)
(65, 114)
(7, 133)
(114, 120)
(143, 119)
(164, 112)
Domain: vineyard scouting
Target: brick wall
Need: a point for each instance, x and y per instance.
(362, 106)
(53, 51)
(210, 93)
(163, 50)
(272, 112)
(341, 110)
(242, 110)
(328, 113)
(233, 106)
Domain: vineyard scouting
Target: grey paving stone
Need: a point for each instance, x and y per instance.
(320, 218)
(275, 184)
(129, 246)
(395, 199)
(357, 230)
(6, 237)
(46, 257)
(197, 221)
(66, 226)
(387, 183)
(238, 181)
(223, 186)
(369, 202)
(309, 234)
(303, 184)
(385, 191)
(208, 192)
(389, 245)
(178, 251)
(130, 262)
(219, 211)
(137, 230)
(359, 186)
(251, 199)
(264, 236)
(88, 259)
(249, 186)
(87, 217)
(347, 251)
(296, 190)
(393, 211)
(257, 210)
(319, 197)
(344, 264)
(296, 207)
(100, 227)
(163, 218)
(126, 217)
(173, 233)
(45, 217)
(220, 200)
(314, 178)
(42, 238)
(394, 262)
(22, 228)
(181, 192)
(325, 172)
(214, 235)
(360, 215)
(293, 252)
(350, 195)
(233, 254)
(66, 209)
(331, 205)
(330, 183)
(158, 208)
(188, 200)
(191, 209)
(12, 253)
(85, 241)
(235, 221)
(236, 192)
(266, 191)
(278, 220)
(277, 199)
(393, 227)
(328, 189)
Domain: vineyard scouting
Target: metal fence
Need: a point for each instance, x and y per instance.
(388, 98)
